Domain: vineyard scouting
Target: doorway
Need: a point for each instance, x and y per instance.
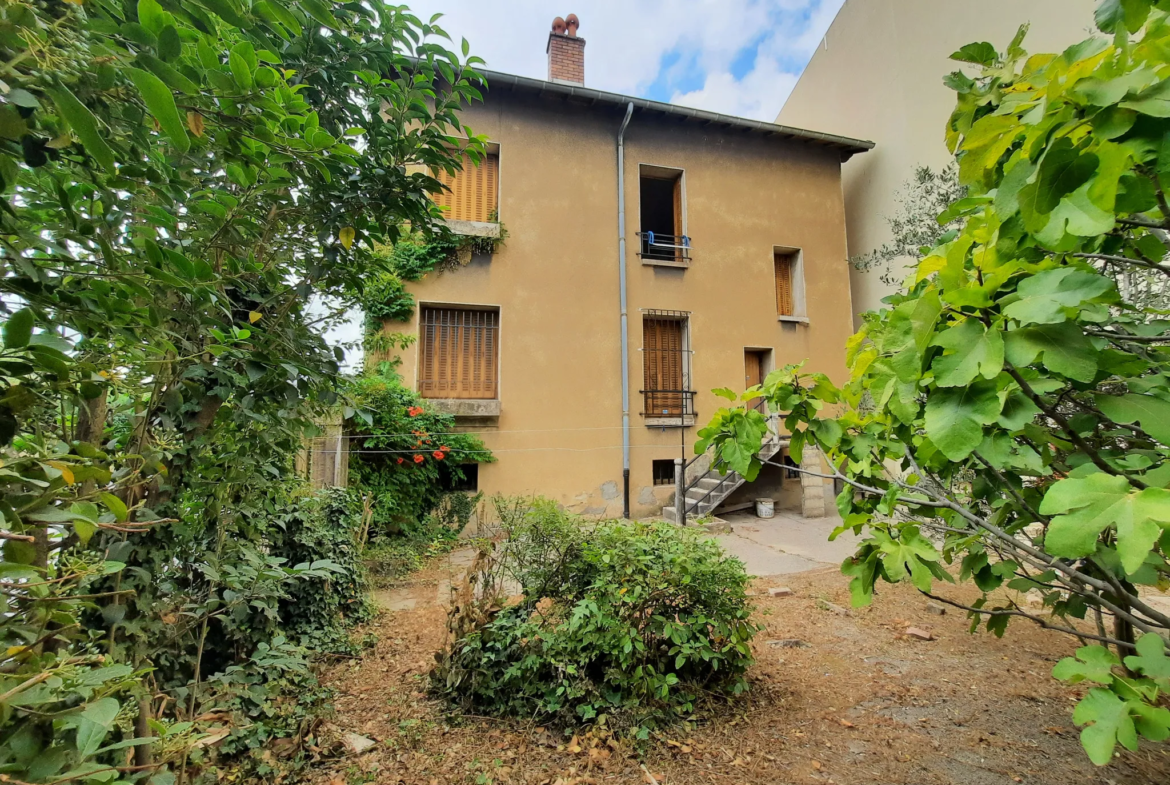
(753, 367)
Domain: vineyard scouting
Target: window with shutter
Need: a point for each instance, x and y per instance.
(785, 270)
(664, 366)
(459, 351)
(473, 190)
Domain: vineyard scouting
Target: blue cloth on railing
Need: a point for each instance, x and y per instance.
(686, 241)
(650, 238)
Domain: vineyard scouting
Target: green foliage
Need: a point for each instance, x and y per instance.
(177, 182)
(389, 558)
(625, 624)
(1127, 706)
(411, 259)
(320, 613)
(407, 456)
(1016, 390)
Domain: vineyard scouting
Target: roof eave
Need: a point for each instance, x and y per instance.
(847, 146)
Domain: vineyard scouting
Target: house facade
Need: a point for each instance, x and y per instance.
(584, 350)
(878, 74)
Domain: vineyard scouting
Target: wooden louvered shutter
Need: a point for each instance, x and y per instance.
(459, 353)
(785, 305)
(678, 218)
(662, 365)
(473, 190)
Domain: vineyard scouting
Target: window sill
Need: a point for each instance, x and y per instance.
(688, 421)
(681, 264)
(793, 319)
(473, 228)
(466, 407)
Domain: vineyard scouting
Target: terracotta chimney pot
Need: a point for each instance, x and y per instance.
(566, 52)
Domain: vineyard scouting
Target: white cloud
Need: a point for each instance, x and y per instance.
(780, 57)
(627, 41)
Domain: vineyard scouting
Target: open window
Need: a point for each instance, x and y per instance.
(459, 351)
(474, 190)
(666, 369)
(662, 201)
(789, 272)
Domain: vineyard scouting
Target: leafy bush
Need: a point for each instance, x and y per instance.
(409, 455)
(178, 184)
(622, 623)
(322, 611)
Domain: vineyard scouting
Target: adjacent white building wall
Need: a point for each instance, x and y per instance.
(878, 75)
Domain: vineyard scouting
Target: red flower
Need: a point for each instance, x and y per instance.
(439, 455)
(414, 411)
(401, 460)
(445, 448)
(419, 459)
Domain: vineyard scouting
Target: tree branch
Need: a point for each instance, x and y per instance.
(1036, 619)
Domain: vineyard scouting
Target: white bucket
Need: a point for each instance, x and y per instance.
(765, 508)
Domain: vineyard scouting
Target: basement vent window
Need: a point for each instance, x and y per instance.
(663, 232)
(664, 472)
(470, 481)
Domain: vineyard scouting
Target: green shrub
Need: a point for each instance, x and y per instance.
(407, 455)
(621, 623)
(322, 611)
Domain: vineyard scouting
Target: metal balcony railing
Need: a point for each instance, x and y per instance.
(664, 247)
(668, 403)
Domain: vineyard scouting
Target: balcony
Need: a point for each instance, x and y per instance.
(667, 250)
(668, 408)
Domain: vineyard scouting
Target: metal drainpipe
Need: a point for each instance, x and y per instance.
(621, 180)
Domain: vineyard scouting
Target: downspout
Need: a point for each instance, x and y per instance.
(621, 185)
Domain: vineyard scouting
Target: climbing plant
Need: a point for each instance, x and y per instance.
(1020, 427)
(411, 259)
(405, 455)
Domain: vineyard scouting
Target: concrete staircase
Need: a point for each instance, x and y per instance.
(713, 488)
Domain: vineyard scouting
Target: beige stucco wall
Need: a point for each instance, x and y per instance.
(878, 75)
(556, 284)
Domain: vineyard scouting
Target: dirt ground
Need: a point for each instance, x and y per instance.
(860, 704)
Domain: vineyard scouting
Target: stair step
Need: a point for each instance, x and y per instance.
(707, 483)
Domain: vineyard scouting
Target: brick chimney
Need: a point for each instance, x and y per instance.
(566, 52)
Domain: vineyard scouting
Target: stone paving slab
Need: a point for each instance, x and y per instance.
(785, 544)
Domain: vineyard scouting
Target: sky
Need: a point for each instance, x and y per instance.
(738, 57)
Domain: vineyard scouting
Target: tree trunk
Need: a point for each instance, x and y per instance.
(143, 755)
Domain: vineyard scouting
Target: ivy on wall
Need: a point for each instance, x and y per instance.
(412, 259)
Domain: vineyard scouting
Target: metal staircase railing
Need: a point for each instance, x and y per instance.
(686, 506)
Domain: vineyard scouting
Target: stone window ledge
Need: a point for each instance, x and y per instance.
(467, 407)
(473, 228)
(688, 421)
(793, 319)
